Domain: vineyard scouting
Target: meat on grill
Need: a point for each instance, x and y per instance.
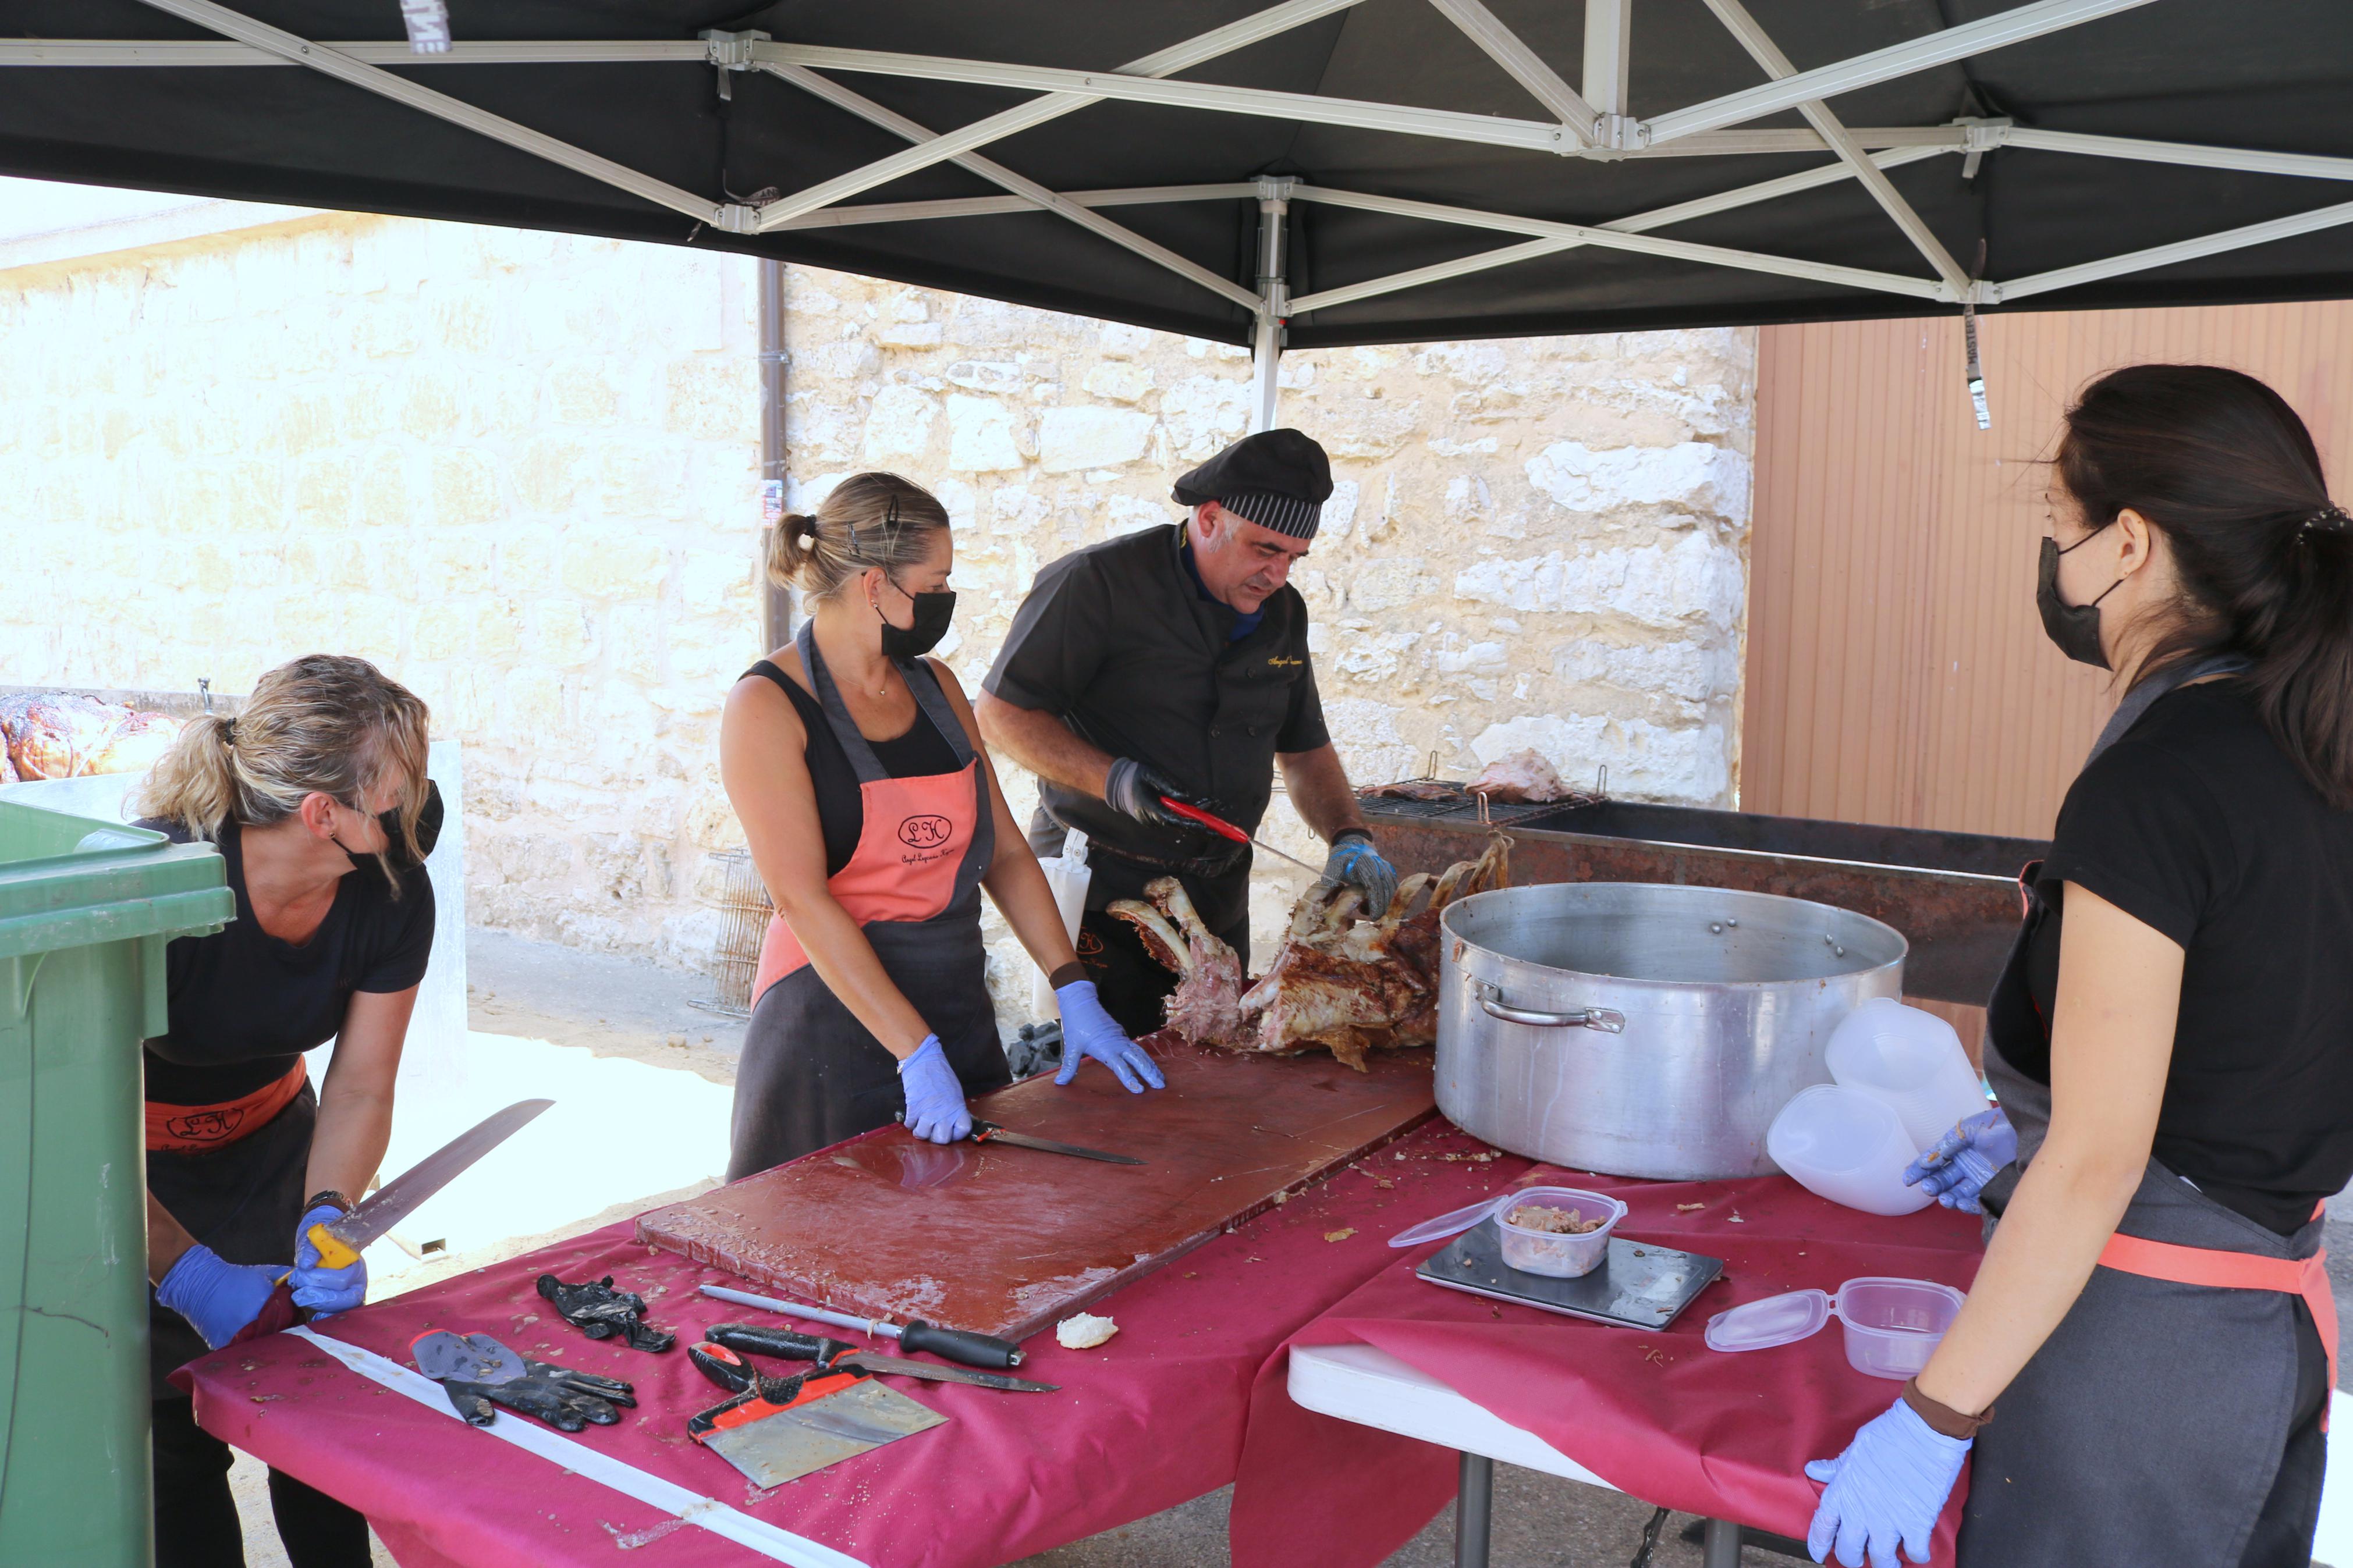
(1411, 789)
(63, 735)
(1523, 775)
(1347, 984)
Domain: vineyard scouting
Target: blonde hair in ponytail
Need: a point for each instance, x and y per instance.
(323, 724)
(867, 520)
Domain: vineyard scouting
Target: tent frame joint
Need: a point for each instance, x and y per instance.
(731, 51)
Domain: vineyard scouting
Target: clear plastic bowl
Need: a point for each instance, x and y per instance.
(1550, 1253)
(1893, 1326)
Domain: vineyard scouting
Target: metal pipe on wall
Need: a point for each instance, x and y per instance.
(776, 600)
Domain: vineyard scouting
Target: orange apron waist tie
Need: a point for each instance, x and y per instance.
(2306, 1277)
(192, 1128)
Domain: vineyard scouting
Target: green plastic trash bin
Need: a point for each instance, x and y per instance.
(85, 910)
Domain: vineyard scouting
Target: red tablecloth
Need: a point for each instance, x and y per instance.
(1658, 1415)
(1149, 1420)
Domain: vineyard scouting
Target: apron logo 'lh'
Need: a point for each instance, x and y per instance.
(206, 1126)
(925, 832)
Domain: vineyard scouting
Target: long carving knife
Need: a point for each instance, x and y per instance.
(990, 1132)
(340, 1242)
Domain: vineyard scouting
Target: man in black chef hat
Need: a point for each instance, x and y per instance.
(1172, 664)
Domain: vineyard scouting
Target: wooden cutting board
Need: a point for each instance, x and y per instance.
(1006, 1241)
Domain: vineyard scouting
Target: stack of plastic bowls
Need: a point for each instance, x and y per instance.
(1902, 1081)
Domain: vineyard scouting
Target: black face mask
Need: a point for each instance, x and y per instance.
(933, 612)
(2075, 627)
(428, 833)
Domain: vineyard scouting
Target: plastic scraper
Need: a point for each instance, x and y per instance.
(781, 1429)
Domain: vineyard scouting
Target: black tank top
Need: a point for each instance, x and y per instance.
(919, 753)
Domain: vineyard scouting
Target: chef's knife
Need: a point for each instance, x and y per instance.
(340, 1242)
(914, 1334)
(719, 1358)
(990, 1132)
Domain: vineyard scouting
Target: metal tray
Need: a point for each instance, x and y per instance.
(1640, 1285)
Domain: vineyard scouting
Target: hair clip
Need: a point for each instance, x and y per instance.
(2331, 518)
(229, 732)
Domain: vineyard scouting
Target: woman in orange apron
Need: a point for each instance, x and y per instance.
(2145, 1361)
(873, 813)
(316, 794)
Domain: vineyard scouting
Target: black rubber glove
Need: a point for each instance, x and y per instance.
(1134, 789)
(599, 1310)
(564, 1398)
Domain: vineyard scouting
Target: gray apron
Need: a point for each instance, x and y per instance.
(812, 1074)
(2162, 1423)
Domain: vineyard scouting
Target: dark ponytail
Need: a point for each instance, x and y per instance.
(2223, 468)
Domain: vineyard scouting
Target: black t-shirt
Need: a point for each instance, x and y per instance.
(2198, 826)
(245, 1004)
(921, 752)
(1118, 642)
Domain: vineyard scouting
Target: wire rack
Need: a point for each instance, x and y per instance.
(1457, 804)
(735, 891)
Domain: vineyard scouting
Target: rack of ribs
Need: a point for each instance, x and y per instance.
(1342, 981)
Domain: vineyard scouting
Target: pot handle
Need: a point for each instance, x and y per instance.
(1608, 1020)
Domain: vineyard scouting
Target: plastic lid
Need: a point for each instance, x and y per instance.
(1775, 1320)
(1454, 1224)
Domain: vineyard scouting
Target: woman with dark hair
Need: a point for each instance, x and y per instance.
(875, 819)
(2171, 1039)
(316, 794)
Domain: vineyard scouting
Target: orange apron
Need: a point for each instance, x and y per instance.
(812, 1074)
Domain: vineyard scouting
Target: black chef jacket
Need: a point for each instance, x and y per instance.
(1116, 641)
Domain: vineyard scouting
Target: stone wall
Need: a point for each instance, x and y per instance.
(518, 469)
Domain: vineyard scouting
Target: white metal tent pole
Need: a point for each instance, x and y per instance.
(1608, 56)
(1521, 63)
(1881, 65)
(1306, 107)
(1037, 111)
(1640, 223)
(318, 57)
(1028, 190)
(2167, 255)
(1274, 304)
(1766, 53)
(994, 206)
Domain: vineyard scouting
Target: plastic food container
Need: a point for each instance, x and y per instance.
(1848, 1147)
(1893, 1326)
(1909, 1060)
(1550, 1253)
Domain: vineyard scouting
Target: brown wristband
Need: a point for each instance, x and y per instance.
(1943, 1418)
(1070, 974)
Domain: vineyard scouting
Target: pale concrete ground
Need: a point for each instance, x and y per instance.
(594, 1032)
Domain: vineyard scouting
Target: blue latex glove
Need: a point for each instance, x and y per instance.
(324, 1291)
(216, 1297)
(1088, 1031)
(1356, 863)
(935, 1096)
(1965, 1159)
(1889, 1485)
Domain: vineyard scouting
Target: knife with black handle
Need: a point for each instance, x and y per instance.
(833, 1355)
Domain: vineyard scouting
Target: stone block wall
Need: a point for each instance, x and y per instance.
(519, 470)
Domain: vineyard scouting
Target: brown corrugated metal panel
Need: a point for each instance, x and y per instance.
(1897, 670)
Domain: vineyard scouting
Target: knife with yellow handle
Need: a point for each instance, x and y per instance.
(338, 1243)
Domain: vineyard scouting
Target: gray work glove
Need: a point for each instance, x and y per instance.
(1355, 863)
(1134, 789)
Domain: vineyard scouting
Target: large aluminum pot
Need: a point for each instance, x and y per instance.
(1642, 1029)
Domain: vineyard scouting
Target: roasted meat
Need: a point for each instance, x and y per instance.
(63, 735)
(1523, 775)
(1339, 981)
(1206, 1005)
(1411, 789)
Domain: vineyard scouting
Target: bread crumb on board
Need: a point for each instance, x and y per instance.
(1341, 1234)
(1083, 1332)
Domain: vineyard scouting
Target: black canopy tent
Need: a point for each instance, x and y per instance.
(1317, 171)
